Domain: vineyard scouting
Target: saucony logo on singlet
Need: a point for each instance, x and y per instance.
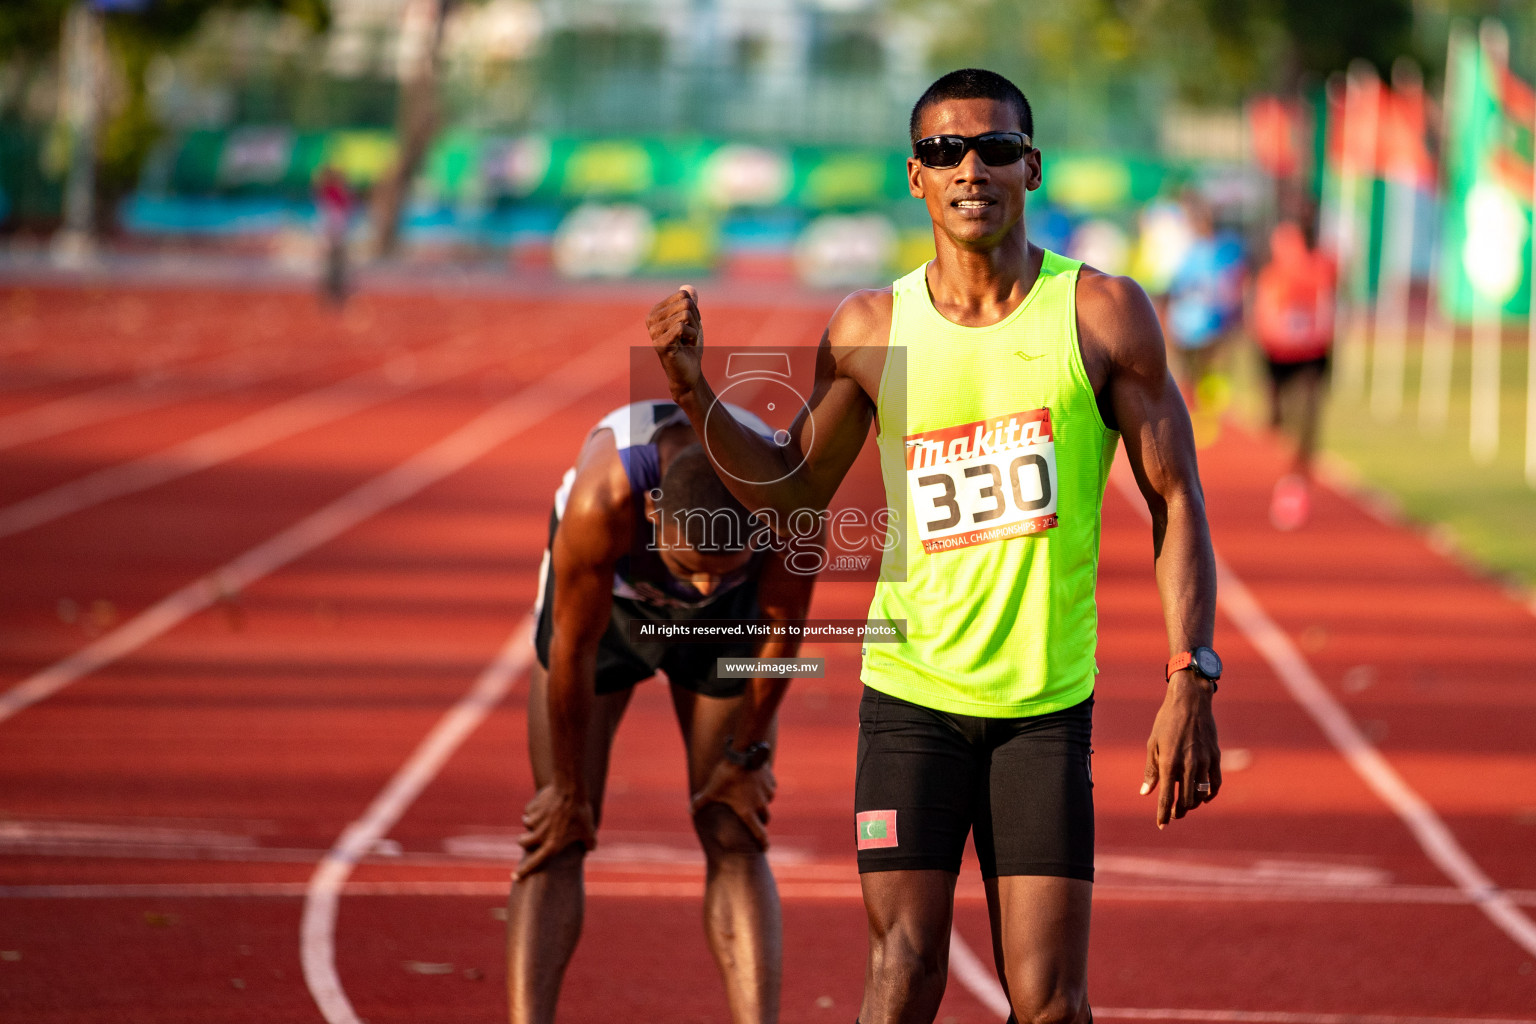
(1025, 355)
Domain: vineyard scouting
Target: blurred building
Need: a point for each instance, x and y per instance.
(785, 70)
(755, 136)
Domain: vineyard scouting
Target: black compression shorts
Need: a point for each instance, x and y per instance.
(925, 778)
(1282, 373)
(622, 662)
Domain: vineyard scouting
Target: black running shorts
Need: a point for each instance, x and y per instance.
(1281, 373)
(622, 662)
(926, 778)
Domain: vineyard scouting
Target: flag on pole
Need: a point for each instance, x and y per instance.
(1376, 134)
(1406, 168)
(1274, 128)
(1439, 330)
(1403, 153)
(1487, 211)
(1354, 129)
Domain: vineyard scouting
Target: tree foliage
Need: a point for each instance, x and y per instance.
(1211, 50)
(30, 33)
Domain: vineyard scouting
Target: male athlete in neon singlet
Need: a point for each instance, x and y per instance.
(1023, 371)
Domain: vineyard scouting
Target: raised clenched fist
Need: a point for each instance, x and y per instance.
(677, 332)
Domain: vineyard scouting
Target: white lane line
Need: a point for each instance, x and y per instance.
(976, 976)
(15, 832)
(149, 390)
(791, 887)
(1286, 1017)
(1239, 604)
(1445, 895)
(151, 890)
(1436, 840)
(525, 409)
(982, 983)
(252, 890)
(317, 930)
(108, 402)
(275, 423)
(114, 401)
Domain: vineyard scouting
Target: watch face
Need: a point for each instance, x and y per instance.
(1206, 663)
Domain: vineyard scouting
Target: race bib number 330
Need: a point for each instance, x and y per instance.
(984, 481)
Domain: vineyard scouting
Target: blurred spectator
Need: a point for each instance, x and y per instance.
(1101, 244)
(333, 201)
(1049, 227)
(1205, 295)
(1293, 322)
(1163, 241)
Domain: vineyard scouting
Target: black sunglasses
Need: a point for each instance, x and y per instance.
(996, 149)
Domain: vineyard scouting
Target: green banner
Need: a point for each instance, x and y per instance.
(1486, 230)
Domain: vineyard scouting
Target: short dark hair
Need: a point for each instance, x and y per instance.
(707, 514)
(973, 84)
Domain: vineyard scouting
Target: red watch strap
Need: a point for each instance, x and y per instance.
(1178, 663)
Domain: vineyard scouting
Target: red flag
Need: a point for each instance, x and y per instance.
(1517, 103)
(1404, 152)
(1380, 132)
(1517, 98)
(1273, 125)
(1353, 124)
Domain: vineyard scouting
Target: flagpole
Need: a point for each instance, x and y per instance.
(1439, 328)
(1330, 230)
(1486, 330)
(1396, 275)
(82, 46)
(1530, 358)
(1354, 230)
(1487, 314)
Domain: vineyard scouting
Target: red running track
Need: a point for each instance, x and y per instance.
(167, 795)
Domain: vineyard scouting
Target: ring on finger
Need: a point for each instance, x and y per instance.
(1202, 787)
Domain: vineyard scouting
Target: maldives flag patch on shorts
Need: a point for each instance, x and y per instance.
(877, 829)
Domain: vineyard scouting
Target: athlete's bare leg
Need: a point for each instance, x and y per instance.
(1310, 383)
(909, 919)
(544, 910)
(1040, 945)
(741, 902)
(1276, 404)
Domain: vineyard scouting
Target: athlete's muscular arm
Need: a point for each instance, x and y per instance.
(828, 435)
(1123, 350)
(593, 534)
(784, 596)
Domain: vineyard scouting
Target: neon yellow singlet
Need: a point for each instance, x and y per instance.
(999, 481)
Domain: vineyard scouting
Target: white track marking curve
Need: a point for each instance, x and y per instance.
(983, 984)
(1284, 1017)
(980, 978)
(317, 929)
(574, 379)
(1439, 845)
(265, 427)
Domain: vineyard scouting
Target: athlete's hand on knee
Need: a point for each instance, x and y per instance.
(1182, 754)
(677, 332)
(555, 819)
(746, 792)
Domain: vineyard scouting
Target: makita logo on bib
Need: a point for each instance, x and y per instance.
(983, 437)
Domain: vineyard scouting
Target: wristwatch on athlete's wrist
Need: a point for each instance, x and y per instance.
(752, 758)
(1202, 661)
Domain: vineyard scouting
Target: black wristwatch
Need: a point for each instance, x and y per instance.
(753, 758)
(1202, 661)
